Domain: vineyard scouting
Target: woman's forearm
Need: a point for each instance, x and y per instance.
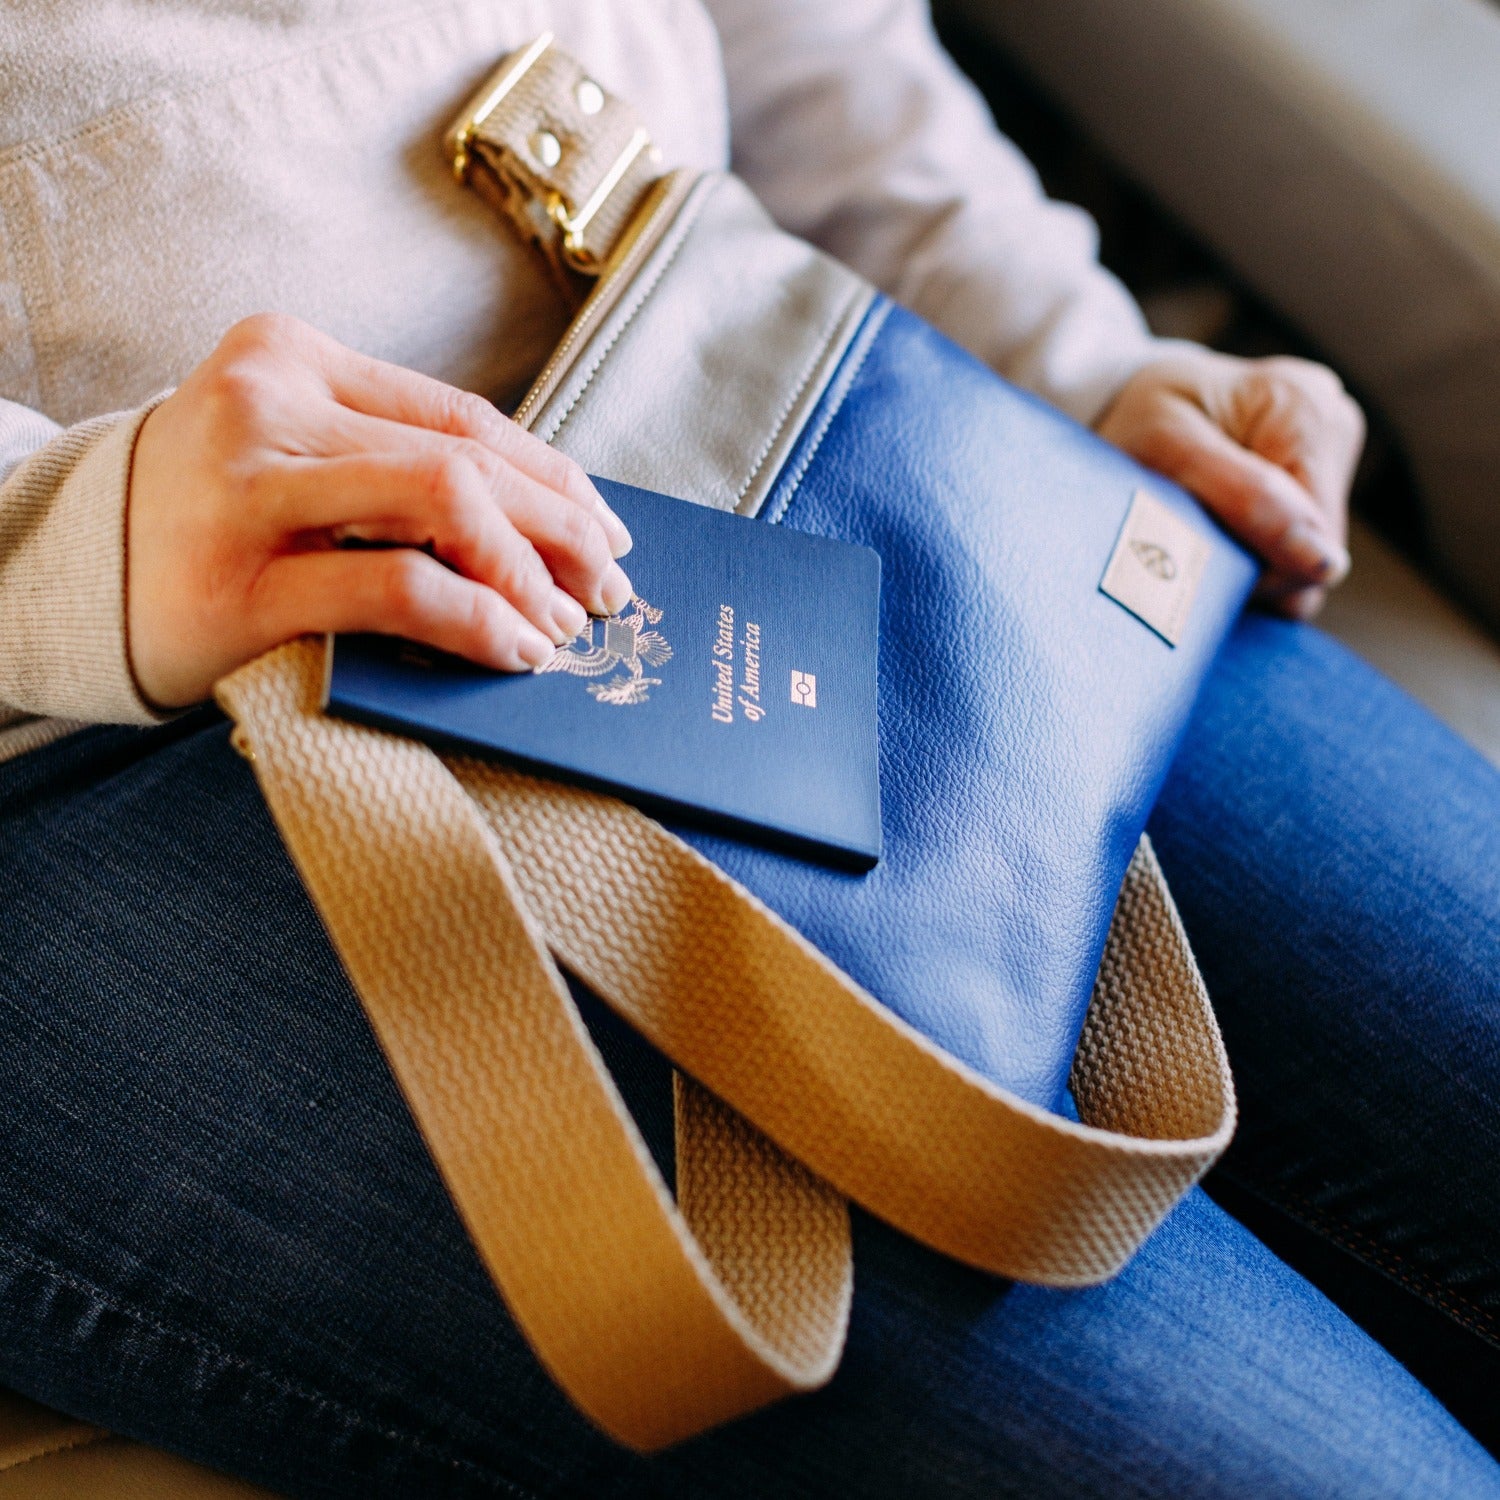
(857, 131)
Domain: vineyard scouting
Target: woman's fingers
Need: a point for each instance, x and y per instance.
(1288, 596)
(549, 558)
(569, 540)
(395, 591)
(386, 391)
(269, 451)
(1301, 604)
(570, 534)
(426, 505)
(1269, 446)
(1311, 427)
(1260, 503)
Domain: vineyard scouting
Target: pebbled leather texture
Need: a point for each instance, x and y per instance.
(1008, 832)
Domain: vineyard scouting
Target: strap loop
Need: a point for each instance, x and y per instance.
(443, 888)
(568, 162)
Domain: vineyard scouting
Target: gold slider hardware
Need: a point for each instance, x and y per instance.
(573, 225)
(483, 106)
(518, 157)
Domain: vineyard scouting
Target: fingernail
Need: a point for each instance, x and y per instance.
(1305, 605)
(1338, 567)
(615, 589)
(533, 647)
(1315, 554)
(569, 614)
(620, 540)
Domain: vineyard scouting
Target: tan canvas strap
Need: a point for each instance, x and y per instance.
(549, 1173)
(443, 887)
(564, 159)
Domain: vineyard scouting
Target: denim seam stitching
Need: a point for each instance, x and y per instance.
(63, 1277)
(1363, 1247)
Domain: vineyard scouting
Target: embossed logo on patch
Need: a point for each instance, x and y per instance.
(1157, 561)
(619, 644)
(1156, 566)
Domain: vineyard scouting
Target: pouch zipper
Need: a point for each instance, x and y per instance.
(652, 221)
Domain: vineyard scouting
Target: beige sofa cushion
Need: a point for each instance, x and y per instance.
(1342, 155)
(44, 1456)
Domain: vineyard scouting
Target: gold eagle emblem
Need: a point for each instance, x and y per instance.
(623, 646)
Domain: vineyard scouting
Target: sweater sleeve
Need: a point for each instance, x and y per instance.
(63, 647)
(859, 132)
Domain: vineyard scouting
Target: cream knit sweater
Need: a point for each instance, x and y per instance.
(165, 170)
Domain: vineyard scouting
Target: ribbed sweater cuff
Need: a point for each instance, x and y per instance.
(63, 643)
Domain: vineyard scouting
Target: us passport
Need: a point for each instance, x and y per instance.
(736, 691)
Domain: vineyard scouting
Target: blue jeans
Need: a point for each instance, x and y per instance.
(219, 1231)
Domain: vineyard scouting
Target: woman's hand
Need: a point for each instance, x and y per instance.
(1269, 447)
(283, 443)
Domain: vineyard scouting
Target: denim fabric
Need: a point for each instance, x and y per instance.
(219, 1231)
(1344, 902)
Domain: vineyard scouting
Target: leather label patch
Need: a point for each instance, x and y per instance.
(1156, 566)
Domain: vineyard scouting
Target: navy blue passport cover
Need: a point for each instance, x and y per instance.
(738, 690)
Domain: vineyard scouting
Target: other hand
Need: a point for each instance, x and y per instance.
(281, 445)
(1268, 445)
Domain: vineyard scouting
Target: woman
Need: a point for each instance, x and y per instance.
(219, 1230)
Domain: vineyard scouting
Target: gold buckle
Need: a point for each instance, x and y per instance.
(525, 193)
(461, 133)
(573, 224)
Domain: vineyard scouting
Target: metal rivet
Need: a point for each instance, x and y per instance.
(546, 148)
(590, 97)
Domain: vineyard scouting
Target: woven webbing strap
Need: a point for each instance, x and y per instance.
(443, 886)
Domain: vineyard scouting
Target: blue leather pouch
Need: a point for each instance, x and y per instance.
(906, 1039)
(1027, 719)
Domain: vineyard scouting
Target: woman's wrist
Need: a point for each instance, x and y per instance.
(283, 445)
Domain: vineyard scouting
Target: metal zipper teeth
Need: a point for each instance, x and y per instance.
(655, 218)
